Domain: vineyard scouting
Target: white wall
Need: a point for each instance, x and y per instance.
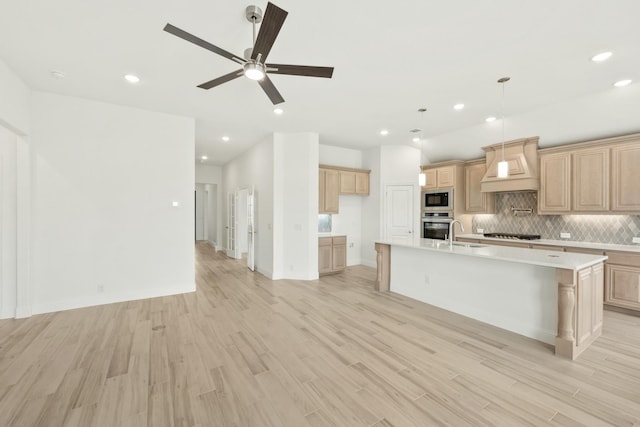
(349, 220)
(254, 167)
(212, 175)
(103, 181)
(8, 223)
(14, 101)
(296, 206)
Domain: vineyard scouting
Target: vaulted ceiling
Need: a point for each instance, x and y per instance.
(390, 58)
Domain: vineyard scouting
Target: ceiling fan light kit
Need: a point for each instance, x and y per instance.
(254, 64)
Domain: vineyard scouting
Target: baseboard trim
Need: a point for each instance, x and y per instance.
(90, 301)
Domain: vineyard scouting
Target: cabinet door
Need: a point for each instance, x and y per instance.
(622, 286)
(591, 180)
(432, 181)
(446, 176)
(475, 201)
(321, 179)
(347, 182)
(626, 176)
(331, 191)
(584, 305)
(555, 183)
(339, 254)
(324, 255)
(362, 183)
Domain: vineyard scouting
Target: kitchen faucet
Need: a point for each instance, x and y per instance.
(451, 231)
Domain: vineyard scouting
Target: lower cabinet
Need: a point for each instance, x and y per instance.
(332, 254)
(622, 280)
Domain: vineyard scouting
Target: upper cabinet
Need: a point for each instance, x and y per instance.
(593, 177)
(329, 186)
(591, 180)
(354, 182)
(625, 177)
(474, 200)
(555, 183)
(440, 177)
(334, 181)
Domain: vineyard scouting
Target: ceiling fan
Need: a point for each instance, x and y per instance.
(254, 64)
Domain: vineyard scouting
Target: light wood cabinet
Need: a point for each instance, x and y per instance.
(625, 176)
(332, 254)
(590, 187)
(589, 303)
(555, 184)
(622, 280)
(353, 182)
(475, 201)
(329, 185)
(442, 177)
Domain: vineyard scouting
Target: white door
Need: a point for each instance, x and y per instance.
(251, 229)
(399, 205)
(231, 225)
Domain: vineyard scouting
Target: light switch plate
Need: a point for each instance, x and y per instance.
(635, 240)
(565, 235)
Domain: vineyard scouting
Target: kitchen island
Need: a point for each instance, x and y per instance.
(549, 296)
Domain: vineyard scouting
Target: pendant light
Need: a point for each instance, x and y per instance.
(503, 166)
(422, 177)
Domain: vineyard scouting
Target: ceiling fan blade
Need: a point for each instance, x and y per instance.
(271, 23)
(271, 90)
(202, 43)
(221, 79)
(300, 70)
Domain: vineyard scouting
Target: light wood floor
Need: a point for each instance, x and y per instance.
(246, 351)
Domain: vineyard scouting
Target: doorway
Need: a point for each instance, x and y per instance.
(205, 213)
(241, 225)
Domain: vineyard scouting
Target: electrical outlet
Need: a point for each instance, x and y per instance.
(100, 288)
(427, 280)
(351, 244)
(565, 235)
(480, 230)
(635, 240)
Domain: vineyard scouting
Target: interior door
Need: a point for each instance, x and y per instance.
(231, 225)
(251, 229)
(399, 205)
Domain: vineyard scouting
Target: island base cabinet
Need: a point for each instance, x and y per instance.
(580, 309)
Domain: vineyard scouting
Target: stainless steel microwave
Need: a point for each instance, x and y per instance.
(438, 200)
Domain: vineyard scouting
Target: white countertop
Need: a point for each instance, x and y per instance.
(565, 243)
(565, 260)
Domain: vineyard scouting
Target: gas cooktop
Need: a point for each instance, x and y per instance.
(512, 236)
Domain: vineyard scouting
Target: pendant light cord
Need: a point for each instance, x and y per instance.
(502, 108)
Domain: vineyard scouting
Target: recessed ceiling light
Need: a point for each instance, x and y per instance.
(278, 111)
(458, 106)
(603, 56)
(204, 157)
(416, 139)
(226, 138)
(57, 74)
(384, 132)
(490, 119)
(622, 83)
(131, 78)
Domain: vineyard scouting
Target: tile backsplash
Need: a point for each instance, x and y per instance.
(618, 229)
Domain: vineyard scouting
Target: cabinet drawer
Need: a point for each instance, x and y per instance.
(585, 251)
(624, 258)
(325, 241)
(340, 240)
(548, 247)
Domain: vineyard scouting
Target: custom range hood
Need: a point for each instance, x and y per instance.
(522, 156)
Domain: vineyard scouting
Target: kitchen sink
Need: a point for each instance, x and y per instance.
(468, 245)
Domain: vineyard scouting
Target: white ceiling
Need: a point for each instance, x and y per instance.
(390, 58)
